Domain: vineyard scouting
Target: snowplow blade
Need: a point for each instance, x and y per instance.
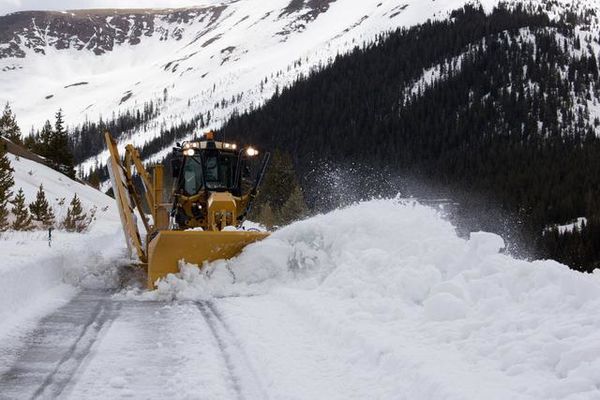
(169, 247)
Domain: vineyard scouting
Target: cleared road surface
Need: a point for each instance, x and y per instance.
(99, 347)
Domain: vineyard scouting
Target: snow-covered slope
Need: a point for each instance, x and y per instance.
(37, 278)
(98, 63)
(59, 188)
(187, 52)
(386, 292)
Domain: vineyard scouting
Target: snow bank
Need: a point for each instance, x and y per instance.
(392, 280)
(37, 278)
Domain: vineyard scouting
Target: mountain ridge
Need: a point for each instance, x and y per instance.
(237, 54)
(95, 30)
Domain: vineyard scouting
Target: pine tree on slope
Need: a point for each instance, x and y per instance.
(59, 151)
(45, 140)
(294, 208)
(40, 210)
(6, 182)
(277, 186)
(76, 220)
(279, 181)
(8, 126)
(30, 141)
(22, 220)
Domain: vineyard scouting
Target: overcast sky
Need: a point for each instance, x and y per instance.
(7, 6)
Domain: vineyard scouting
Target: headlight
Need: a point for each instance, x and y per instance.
(189, 152)
(250, 151)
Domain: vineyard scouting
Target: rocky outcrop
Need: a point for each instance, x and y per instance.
(98, 31)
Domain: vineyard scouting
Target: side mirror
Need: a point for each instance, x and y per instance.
(175, 167)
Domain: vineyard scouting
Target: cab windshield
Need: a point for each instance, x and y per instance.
(212, 171)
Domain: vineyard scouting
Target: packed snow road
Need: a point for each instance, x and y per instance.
(98, 347)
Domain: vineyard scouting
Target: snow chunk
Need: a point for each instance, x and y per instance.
(484, 244)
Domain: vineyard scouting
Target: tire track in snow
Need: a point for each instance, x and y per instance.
(246, 361)
(58, 348)
(245, 381)
(211, 321)
(55, 382)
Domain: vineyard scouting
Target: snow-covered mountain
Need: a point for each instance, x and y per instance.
(219, 58)
(97, 63)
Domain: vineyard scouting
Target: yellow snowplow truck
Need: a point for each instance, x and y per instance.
(214, 186)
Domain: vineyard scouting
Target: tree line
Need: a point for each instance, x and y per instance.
(87, 140)
(52, 144)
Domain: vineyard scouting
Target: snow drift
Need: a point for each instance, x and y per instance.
(457, 317)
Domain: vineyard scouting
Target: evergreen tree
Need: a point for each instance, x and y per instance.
(59, 151)
(76, 220)
(266, 216)
(6, 182)
(42, 146)
(279, 181)
(94, 179)
(41, 211)
(30, 141)
(8, 126)
(294, 208)
(22, 220)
